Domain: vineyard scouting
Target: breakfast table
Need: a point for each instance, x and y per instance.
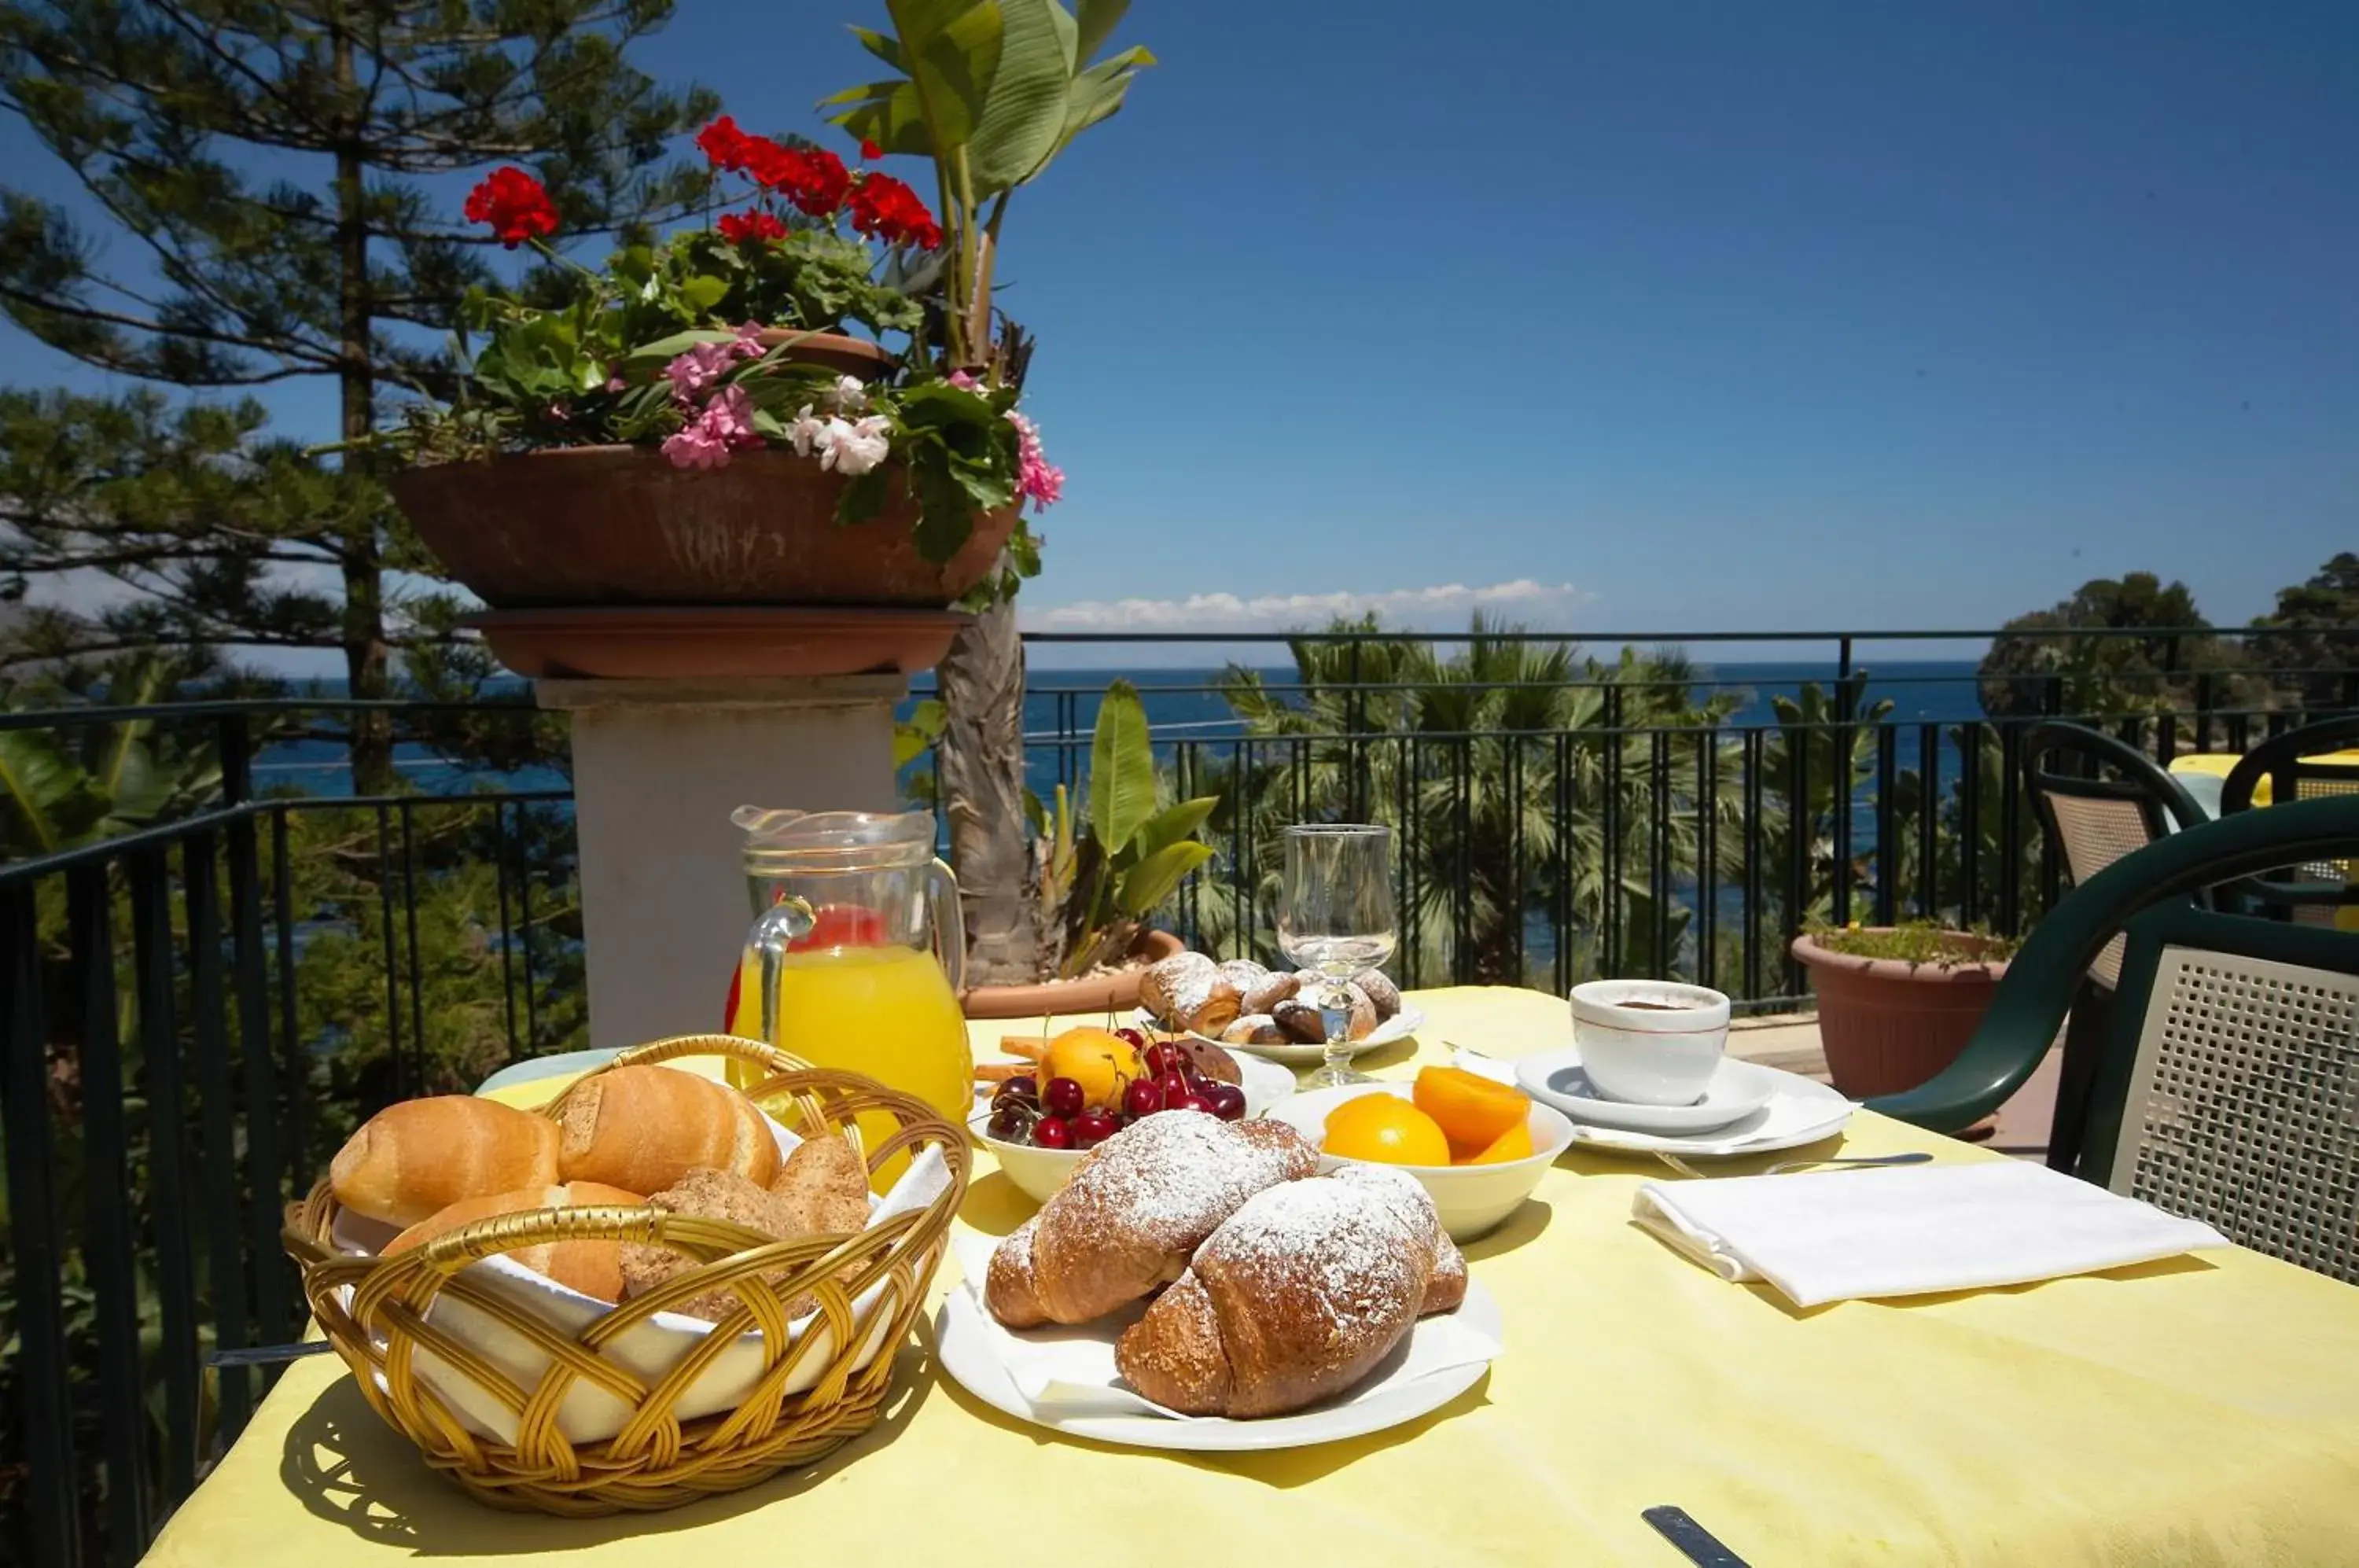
(2204, 1409)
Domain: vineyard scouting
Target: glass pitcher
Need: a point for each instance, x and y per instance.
(857, 949)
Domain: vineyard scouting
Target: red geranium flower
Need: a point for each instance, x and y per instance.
(883, 206)
(724, 144)
(811, 178)
(516, 205)
(870, 151)
(740, 228)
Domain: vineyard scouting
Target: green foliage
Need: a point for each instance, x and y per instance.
(2311, 642)
(61, 787)
(2036, 666)
(1104, 878)
(1914, 943)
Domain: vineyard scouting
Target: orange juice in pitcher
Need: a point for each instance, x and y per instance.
(855, 953)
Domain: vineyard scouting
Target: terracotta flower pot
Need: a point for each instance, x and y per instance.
(1888, 1025)
(1115, 993)
(852, 356)
(620, 524)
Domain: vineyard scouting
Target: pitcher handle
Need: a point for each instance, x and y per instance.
(780, 926)
(949, 922)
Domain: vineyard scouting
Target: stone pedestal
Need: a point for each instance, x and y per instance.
(657, 768)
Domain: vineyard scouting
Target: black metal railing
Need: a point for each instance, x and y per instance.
(197, 1012)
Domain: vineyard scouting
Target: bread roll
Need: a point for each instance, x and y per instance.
(1295, 1296)
(642, 1128)
(410, 1161)
(593, 1267)
(822, 1188)
(1156, 986)
(710, 1194)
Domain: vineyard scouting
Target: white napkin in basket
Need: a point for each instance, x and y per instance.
(1070, 1371)
(1841, 1234)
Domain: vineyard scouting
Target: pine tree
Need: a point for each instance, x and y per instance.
(262, 170)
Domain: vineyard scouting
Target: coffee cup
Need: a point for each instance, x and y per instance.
(1649, 1042)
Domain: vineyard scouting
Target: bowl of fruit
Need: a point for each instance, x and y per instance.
(1478, 1146)
(1089, 1084)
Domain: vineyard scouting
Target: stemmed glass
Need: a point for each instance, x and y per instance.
(1335, 916)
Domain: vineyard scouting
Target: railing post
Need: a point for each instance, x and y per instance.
(1840, 783)
(236, 741)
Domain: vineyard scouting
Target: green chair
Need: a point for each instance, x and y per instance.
(2314, 891)
(2228, 1086)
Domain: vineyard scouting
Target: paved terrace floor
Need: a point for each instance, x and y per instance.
(1791, 1040)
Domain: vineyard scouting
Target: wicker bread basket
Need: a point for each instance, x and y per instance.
(656, 1459)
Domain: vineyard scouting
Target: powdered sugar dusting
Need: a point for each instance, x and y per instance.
(1345, 1251)
(1165, 1181)
(1399, 1191)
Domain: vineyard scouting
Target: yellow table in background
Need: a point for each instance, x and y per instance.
(2217, 765)
(2199, 1411)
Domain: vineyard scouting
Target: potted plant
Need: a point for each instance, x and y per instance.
(1103, 875)
(1896, 1004)
(693, 425)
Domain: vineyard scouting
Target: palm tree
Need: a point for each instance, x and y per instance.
(1525, 782)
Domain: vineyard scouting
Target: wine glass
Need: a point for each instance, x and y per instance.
(1335, 916)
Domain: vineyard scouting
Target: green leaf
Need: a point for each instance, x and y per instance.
(945, 516)
(666, 349)
(864, 496)
(889, 114)
(1097, 21)
(882, 45)
(703, 292)
(1147, 884)
(1023, 104)
(1174, 822)
(1122, 768)
(950, 49)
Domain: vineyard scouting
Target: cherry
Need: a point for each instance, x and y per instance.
(1227, 1101)
(1009, 1123)
(1192, 1103)
(1020, 1088)
(1142, 1098)
(1052, 1132)
(1137, 1041)
(1064, 1097)
(1093, 1127)
(1171, 1086)
(1162, 1057)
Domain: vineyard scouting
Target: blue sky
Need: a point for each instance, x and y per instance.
(1683, 316)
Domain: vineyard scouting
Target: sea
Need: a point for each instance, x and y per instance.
(1181, 703)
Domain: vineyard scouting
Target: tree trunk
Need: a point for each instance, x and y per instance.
(367, 658)
(979, 765)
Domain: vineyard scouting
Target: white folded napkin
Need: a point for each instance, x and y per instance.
(1841, 1235)
(1070, 1371)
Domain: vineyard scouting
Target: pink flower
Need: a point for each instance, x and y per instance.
(724, 426)
(1035, 476)
(616, 384)
(694, 372)
(963, 382)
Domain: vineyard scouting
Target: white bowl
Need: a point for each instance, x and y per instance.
(1471, 1199)
(1040, 1171)
(1659, 1055)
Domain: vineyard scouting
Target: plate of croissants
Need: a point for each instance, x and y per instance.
(1197, 1284)
(1274, 1013)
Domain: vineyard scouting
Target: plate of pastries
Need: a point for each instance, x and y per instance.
(1274, 1013)
(1199, 1284)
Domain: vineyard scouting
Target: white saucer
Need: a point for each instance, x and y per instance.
(1799, 1112)
(1737, 1090)
(1400, 1026)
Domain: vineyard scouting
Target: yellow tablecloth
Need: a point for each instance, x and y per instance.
(2220, 764)
(2192, 1411)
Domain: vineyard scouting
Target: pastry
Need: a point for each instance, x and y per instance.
(1300, 1022)
(411, 1160)
(1243, 973)
(1133, 1212)
(822, 1188)
(1158, 986)
(1253, 1028)
(1295, 1296)
(715, 1196)
(1210, 1061)
(1205, 1003)
(1271, 990)
(641, 1129)
(593, 1267)
(1446, 1286)
(1304, 1019)
(1381, 992)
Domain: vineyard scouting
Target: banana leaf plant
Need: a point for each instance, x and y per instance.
(1103, 875)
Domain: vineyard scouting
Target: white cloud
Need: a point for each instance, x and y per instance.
(1440, 607)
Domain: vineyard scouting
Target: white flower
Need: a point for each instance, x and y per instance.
(850, 393)
(805, 431)
(854, 448)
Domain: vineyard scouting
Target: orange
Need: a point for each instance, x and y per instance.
(1385, 1129)
(1096, 1059)
(1475, 1112)
(1515, 1143)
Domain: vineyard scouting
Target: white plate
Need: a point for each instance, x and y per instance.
(1737, 1089)
(1400, 1026)
(962, 1339)
(1800, 1111)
